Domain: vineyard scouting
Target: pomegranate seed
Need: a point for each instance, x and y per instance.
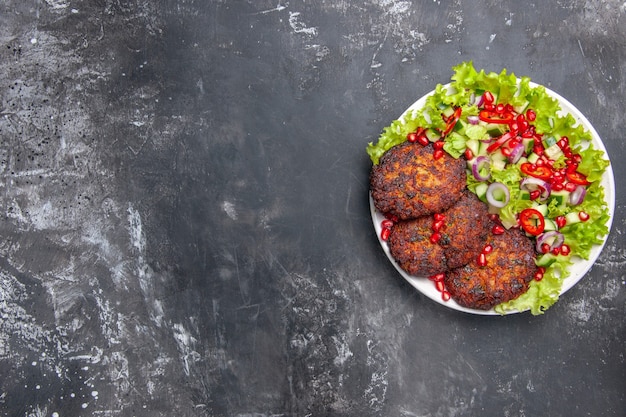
(438, 154)
(392, 217)
(505, 151)
(557, 187)
(523, 125)
(539, 274)
(412, 137)
(565, 250)
(531, 115)
(438, 145)
(437, 277)
(556, 251)
(513, 143)
(423, 140)
(488, 97)
(487, 249)
(583, 216)
(482, 260)
(534, 194)
(577, 158)
(545, 248)
(514, 127)
(500, 108)
(527, 134)
(439, 216)
(438, 225)
(494, 217)
(435, 237)
(561, 221)
(384, 234)
(570, 186)
(445, 295)
(440, 286)
(469, 154)
(386, 224)
(497, 230)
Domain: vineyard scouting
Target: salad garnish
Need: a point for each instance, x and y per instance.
(534, 165)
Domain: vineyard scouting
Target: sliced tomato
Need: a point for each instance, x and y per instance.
(543, 172)
(577, 178)
(532, 221)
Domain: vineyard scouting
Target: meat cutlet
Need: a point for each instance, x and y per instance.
(408, 182)
(510, 268)
(463, 231)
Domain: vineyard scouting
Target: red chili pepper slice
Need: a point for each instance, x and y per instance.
(577, 178)
(543, 172)
(532, 221)
(495, 117)
(500, 141)
(451, 122)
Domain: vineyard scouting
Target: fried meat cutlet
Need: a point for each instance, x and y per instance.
(408, 182)
(463, 233)
(507, 274)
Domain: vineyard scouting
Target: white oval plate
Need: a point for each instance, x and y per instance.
(579, 267)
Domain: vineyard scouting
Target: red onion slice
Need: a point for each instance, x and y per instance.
(498, 195)
(578, 195)
(516, 153)
(553, 238)
(481, 163)
(531, 184)
(473, 120)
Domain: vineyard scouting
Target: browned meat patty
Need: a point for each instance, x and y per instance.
(466, 226)
(408, 182)
(510, 268)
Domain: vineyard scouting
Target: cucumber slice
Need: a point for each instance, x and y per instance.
(549, 141)
(533, 158)
(542, 208)
(561, 198)
(553, 152)
(432, 135)
(572, 218)
(550, 225)
(481, 191)
(473, 145)
(545, 260)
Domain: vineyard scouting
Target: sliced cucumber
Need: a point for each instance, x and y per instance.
(549, 141)
(545, 260)
(553, 152)
(572, 218)
(542, 208)
(561, 198)
(432, 135)
(473, 145)
(481, 191)
(533, 158)
(550, 225)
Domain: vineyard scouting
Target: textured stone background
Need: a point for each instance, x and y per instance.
(185, 228)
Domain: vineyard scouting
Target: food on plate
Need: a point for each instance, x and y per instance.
(534, 166)
(437, 243)
(500, 276)
(410, 182)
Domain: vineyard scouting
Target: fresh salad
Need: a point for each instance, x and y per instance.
(534, 166)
